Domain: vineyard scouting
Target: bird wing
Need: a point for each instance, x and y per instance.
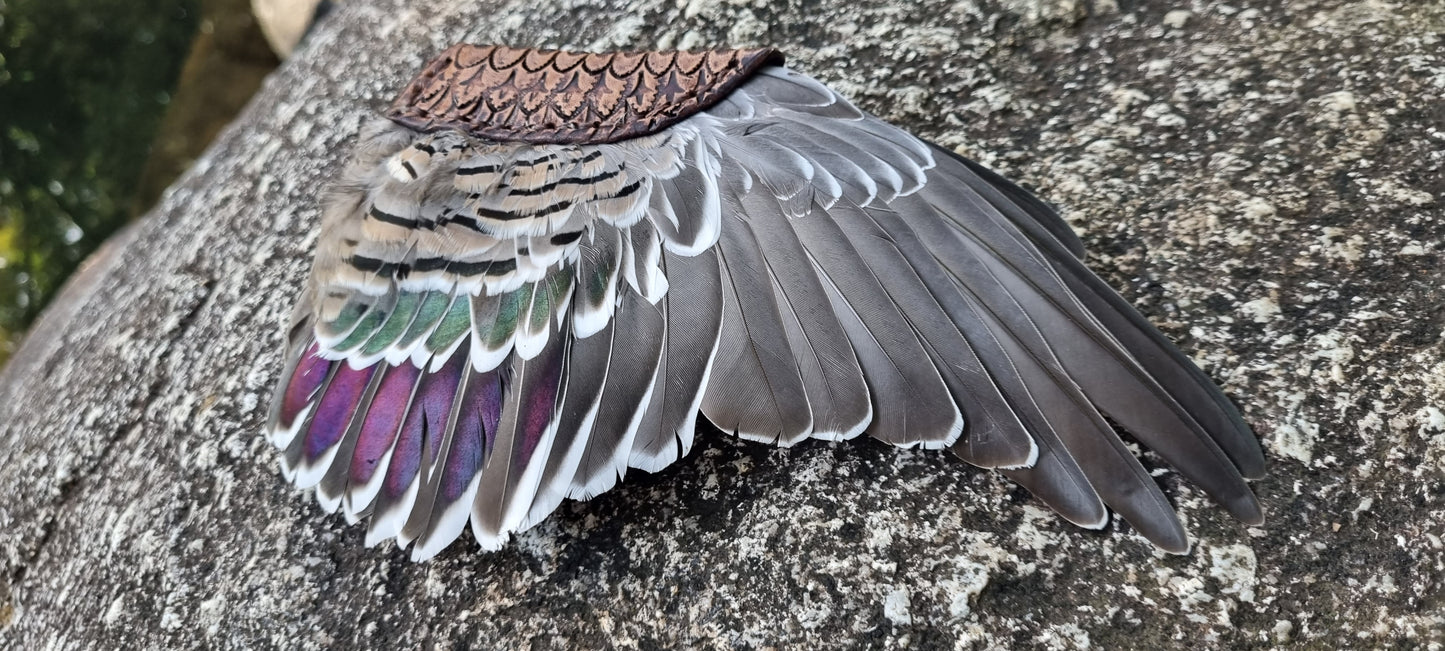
(493, 327)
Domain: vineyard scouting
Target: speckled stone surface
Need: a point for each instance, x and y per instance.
(1263, 178)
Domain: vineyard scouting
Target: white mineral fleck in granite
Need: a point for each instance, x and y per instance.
(896, 607)
(1295, 439)
(1234, 566)
(1263, 309)
(1177, 18)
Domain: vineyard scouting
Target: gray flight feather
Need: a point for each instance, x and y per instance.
(332, 486)
(522, 443)
(434, 520)
(756, 389)
(631, 375)
(911, 402)
(1161, 359)
(693, 314)
(589, 361)
(1001, 275)
(832, 379)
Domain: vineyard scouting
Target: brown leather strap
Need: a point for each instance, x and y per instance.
(549, 96)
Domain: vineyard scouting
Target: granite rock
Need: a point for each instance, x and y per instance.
(1263, 178)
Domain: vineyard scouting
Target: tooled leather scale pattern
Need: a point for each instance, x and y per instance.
(548, 96)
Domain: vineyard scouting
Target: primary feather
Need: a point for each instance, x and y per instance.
(491, 326)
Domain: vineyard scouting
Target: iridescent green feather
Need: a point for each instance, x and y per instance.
(396, 324)
(507, 315)
(433, 306)
(456, 323)
(599, 280)
(484, 316)
(549, 299)
(363, 330)
(350, 314)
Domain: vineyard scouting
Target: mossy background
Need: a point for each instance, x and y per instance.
(83, 86)
(102, 104)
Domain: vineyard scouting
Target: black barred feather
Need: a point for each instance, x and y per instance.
(491, 327)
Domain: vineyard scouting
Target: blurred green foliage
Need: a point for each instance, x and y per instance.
(83, 86)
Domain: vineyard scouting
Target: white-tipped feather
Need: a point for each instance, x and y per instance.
(309, 473)
(329, 502)
(447, 524)
(601, 482)
(551, 492)
(530, 341)
(359, 497)
(441, 357)
(515, 515)
(387, 524)
(281, 437)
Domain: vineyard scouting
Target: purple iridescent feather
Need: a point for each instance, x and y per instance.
(383, 420)
(310, 372)
(426, 420)
(481, 408)
(337, 406)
